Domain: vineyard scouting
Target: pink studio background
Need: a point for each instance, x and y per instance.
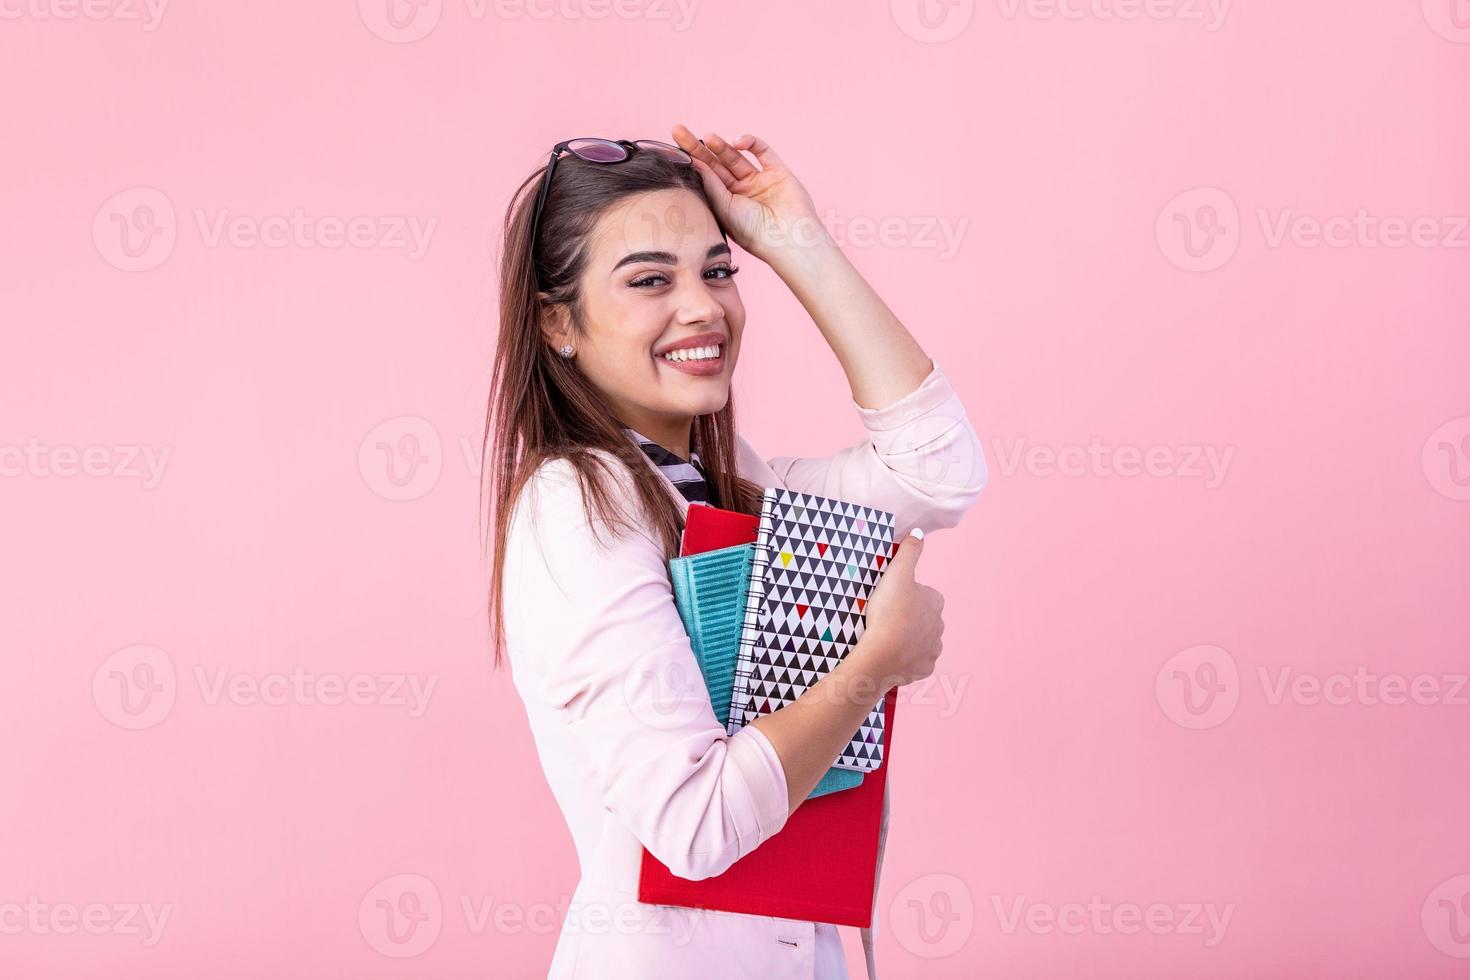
(1016, 179)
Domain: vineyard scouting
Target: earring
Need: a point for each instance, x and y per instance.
(566, 350)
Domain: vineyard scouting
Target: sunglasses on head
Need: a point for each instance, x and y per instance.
(596, 150)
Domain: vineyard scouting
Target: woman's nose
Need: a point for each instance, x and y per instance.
(697, 303)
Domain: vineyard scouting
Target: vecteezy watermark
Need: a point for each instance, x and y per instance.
(390, 232)
(933, 916)
(1446, 458)
(1450, 19)
(124, 462)
(1445, 916)
(1198, 687)
(1210, 13)
(401, 458)
(1362, 230)
(1363, 686)
(406, 21)
(137, 687)
(299, 687)
(401, 916)
(147, 12)
(677, 226)
(1185, 462)
(1102, 918)
(40, 918)
(666, 694)
(593, 917)
(940, 233)
(137, 229)
(932, 21)
(938, 688)
(1200, 229)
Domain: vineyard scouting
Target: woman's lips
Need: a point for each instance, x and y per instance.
(703, 369)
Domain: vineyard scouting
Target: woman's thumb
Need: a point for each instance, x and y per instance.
(909, 550)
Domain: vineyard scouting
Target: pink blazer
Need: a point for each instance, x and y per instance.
(624, 727)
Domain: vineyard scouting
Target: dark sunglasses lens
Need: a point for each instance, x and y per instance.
(596, 150)
(671, 153)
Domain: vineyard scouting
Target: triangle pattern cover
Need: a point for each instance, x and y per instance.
(816, 562)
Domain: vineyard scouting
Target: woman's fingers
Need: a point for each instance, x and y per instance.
(761, 149)
(691, 145)
(714, 186)
(732, 158)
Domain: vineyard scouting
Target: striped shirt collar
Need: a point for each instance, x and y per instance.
(689, 478)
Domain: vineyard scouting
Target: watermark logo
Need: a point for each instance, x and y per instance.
(1450, 19)
(401, 458)
(595, 917)
(1364, 687)
(1199, 229)
(933, 916)
(40, 918)
(1206, 463)
(1446, 458)
(406, 21)
(400, 21)
(679, 13)
(401, 916)
(135, 687)
(1362, 229)
(1198, 687)
(135, 229)
(1210, 13)
(932, 21)
(957, 462)
(304, 689)
(1101, 917)
(130, 462)
(1446, 917)
(147, 12)
(409, 234)
(664, 694)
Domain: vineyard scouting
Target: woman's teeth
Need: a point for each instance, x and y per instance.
(694, 354)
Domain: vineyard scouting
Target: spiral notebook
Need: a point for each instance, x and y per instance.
(816, 562)
(709, 591)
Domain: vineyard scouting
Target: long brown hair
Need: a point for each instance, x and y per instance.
(541, 407)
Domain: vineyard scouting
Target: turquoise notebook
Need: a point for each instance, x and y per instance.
(709, 589)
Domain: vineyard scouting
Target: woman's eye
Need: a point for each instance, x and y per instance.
(659, 279)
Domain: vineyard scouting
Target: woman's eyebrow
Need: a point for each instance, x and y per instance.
(668, 258)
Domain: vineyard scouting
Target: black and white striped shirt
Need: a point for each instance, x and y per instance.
(688, 478)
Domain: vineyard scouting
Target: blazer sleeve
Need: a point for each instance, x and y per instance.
(921, 460)
(614, 661)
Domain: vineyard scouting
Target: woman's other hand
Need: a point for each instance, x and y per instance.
(764, 208)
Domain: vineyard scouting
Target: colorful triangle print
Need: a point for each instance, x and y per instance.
(817, 560)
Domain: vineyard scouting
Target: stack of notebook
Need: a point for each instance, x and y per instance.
(771, 605)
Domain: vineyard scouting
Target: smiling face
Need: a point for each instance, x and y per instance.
(658, 281)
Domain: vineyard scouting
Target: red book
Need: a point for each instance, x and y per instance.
(710, 528)
(823, 864)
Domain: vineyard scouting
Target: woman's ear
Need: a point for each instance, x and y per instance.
(555, 323)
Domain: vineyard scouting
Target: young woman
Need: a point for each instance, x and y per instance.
(610, 416)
